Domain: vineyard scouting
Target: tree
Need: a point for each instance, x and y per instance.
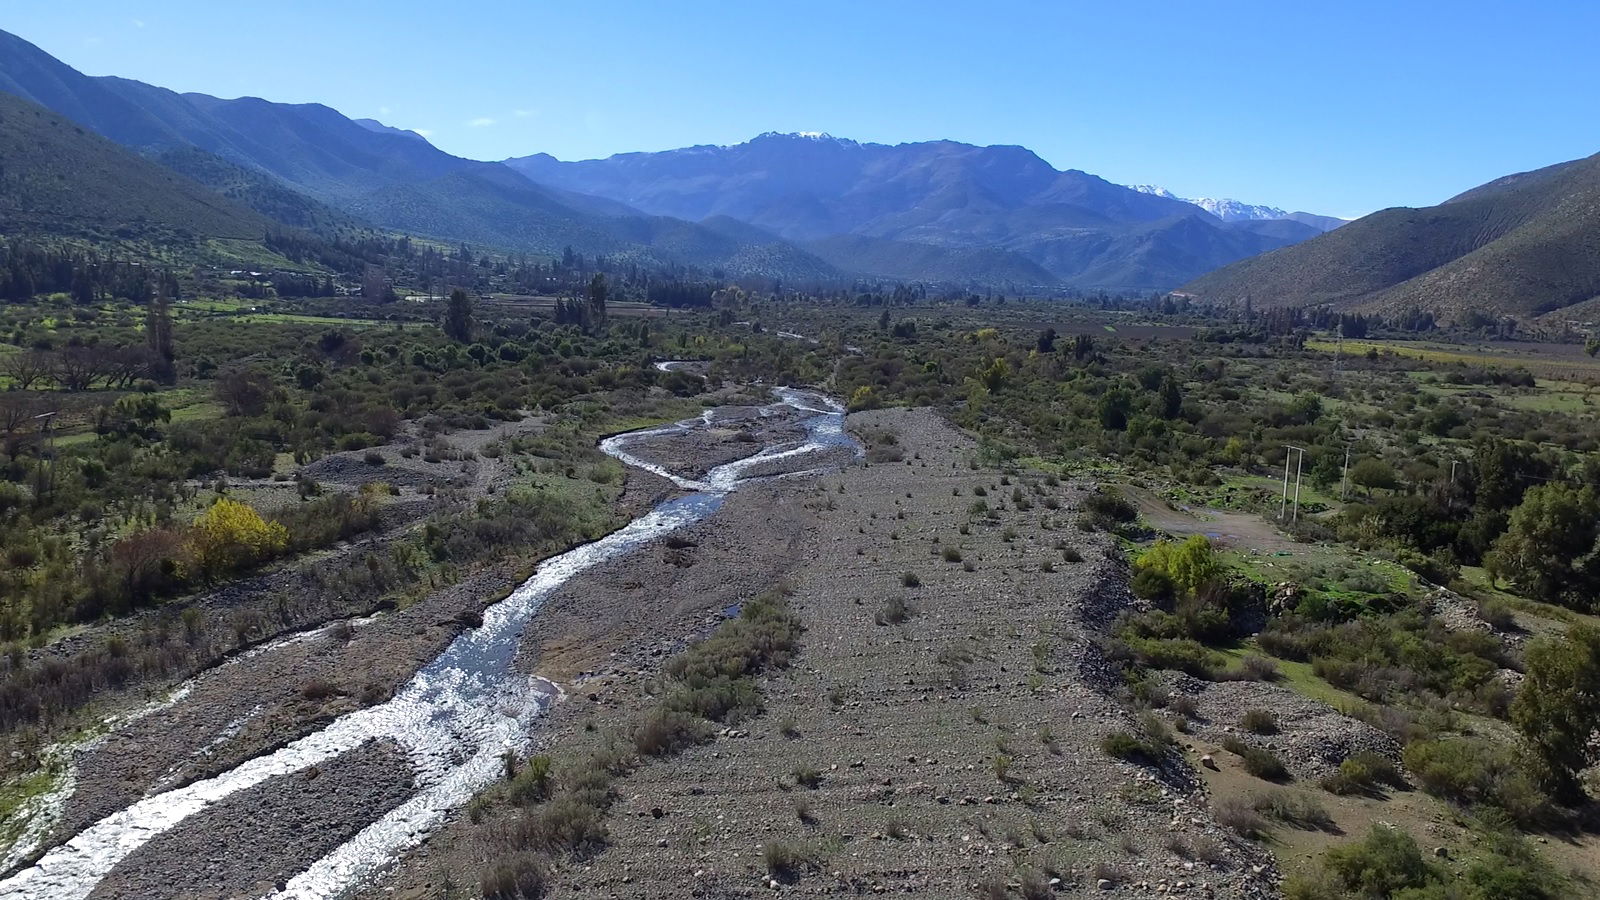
(1373, 474)
(27, 369)
(158, 337)
(231, 536)
(598, 292)
(1547, 547)
(458, 317)
(1047, 341)
(243, 392)
(1189, 565)
(1171, 398)
(1558, 708)
(78, 368)
(1114, 410)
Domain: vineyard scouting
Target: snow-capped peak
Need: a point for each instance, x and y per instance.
(1224, 209)
(1154, 190)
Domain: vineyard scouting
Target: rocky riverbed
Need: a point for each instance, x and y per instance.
(953, 750)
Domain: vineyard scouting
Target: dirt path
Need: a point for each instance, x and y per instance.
(1240, 531)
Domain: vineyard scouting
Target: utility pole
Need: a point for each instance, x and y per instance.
(50, 437)
(1283, 505)
(1300, 463)
(1344, 478)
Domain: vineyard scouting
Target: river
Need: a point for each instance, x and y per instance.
(458, 715)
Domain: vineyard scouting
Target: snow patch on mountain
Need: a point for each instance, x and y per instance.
(1225, 209)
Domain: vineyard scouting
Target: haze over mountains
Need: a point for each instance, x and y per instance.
(791, 206)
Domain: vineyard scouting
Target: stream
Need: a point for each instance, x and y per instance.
(456, 717)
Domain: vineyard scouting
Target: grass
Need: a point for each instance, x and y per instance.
(1456, 354)
(17, 794)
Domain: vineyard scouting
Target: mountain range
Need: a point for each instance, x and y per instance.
(907, 202)
(1526, 245)
(803, 206)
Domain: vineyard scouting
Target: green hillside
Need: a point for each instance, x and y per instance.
(57, 178)
(1523, 245)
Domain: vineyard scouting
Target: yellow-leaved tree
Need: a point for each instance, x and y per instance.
(231, 536)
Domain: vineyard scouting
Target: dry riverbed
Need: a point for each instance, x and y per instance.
(957, 749)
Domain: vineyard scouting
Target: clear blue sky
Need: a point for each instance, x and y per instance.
(1337, 107)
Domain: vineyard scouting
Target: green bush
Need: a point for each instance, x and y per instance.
(1257, 761)
(1364, 773)
(1475, 772)
(1259, 721)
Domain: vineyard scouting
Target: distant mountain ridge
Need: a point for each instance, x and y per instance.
(1238, 211)
(805, 206)
(369, 171)
(1525, 245)
(1075, 227)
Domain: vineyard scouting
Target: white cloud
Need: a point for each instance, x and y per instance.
(425, 132)
(481, 122)
(138, 23)
(523, 113)
(383, 110)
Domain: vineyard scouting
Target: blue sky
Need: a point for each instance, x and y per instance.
(1338, 108)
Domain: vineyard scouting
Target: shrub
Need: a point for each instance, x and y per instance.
(1235, 814)
(1259, 721)
(1473, 772)
(1252, 667)
(1149, 745)
(1108, 510)
(1153, 586)
(230, 536)
(532, 784)
(1364, 773)
(1035, 885)
(786, 859)
(895, 611)
(1386, 861)
(567, 824)
(911, 580)
(666, 731)
(951, 554)
(1294, 809)
(1071, 555)
(1187, 565)
(520, 877)
(1257, 761)
(373, 458)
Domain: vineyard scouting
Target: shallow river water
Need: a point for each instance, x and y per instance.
(454, 718)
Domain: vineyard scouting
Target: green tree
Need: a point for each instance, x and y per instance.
(458, 317)
(1171, 398)
(158, 337)
(1189, 564)
(1373, 474)
(1114, 410)
(1558, 708)
(1547, 551)
(598, 292)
